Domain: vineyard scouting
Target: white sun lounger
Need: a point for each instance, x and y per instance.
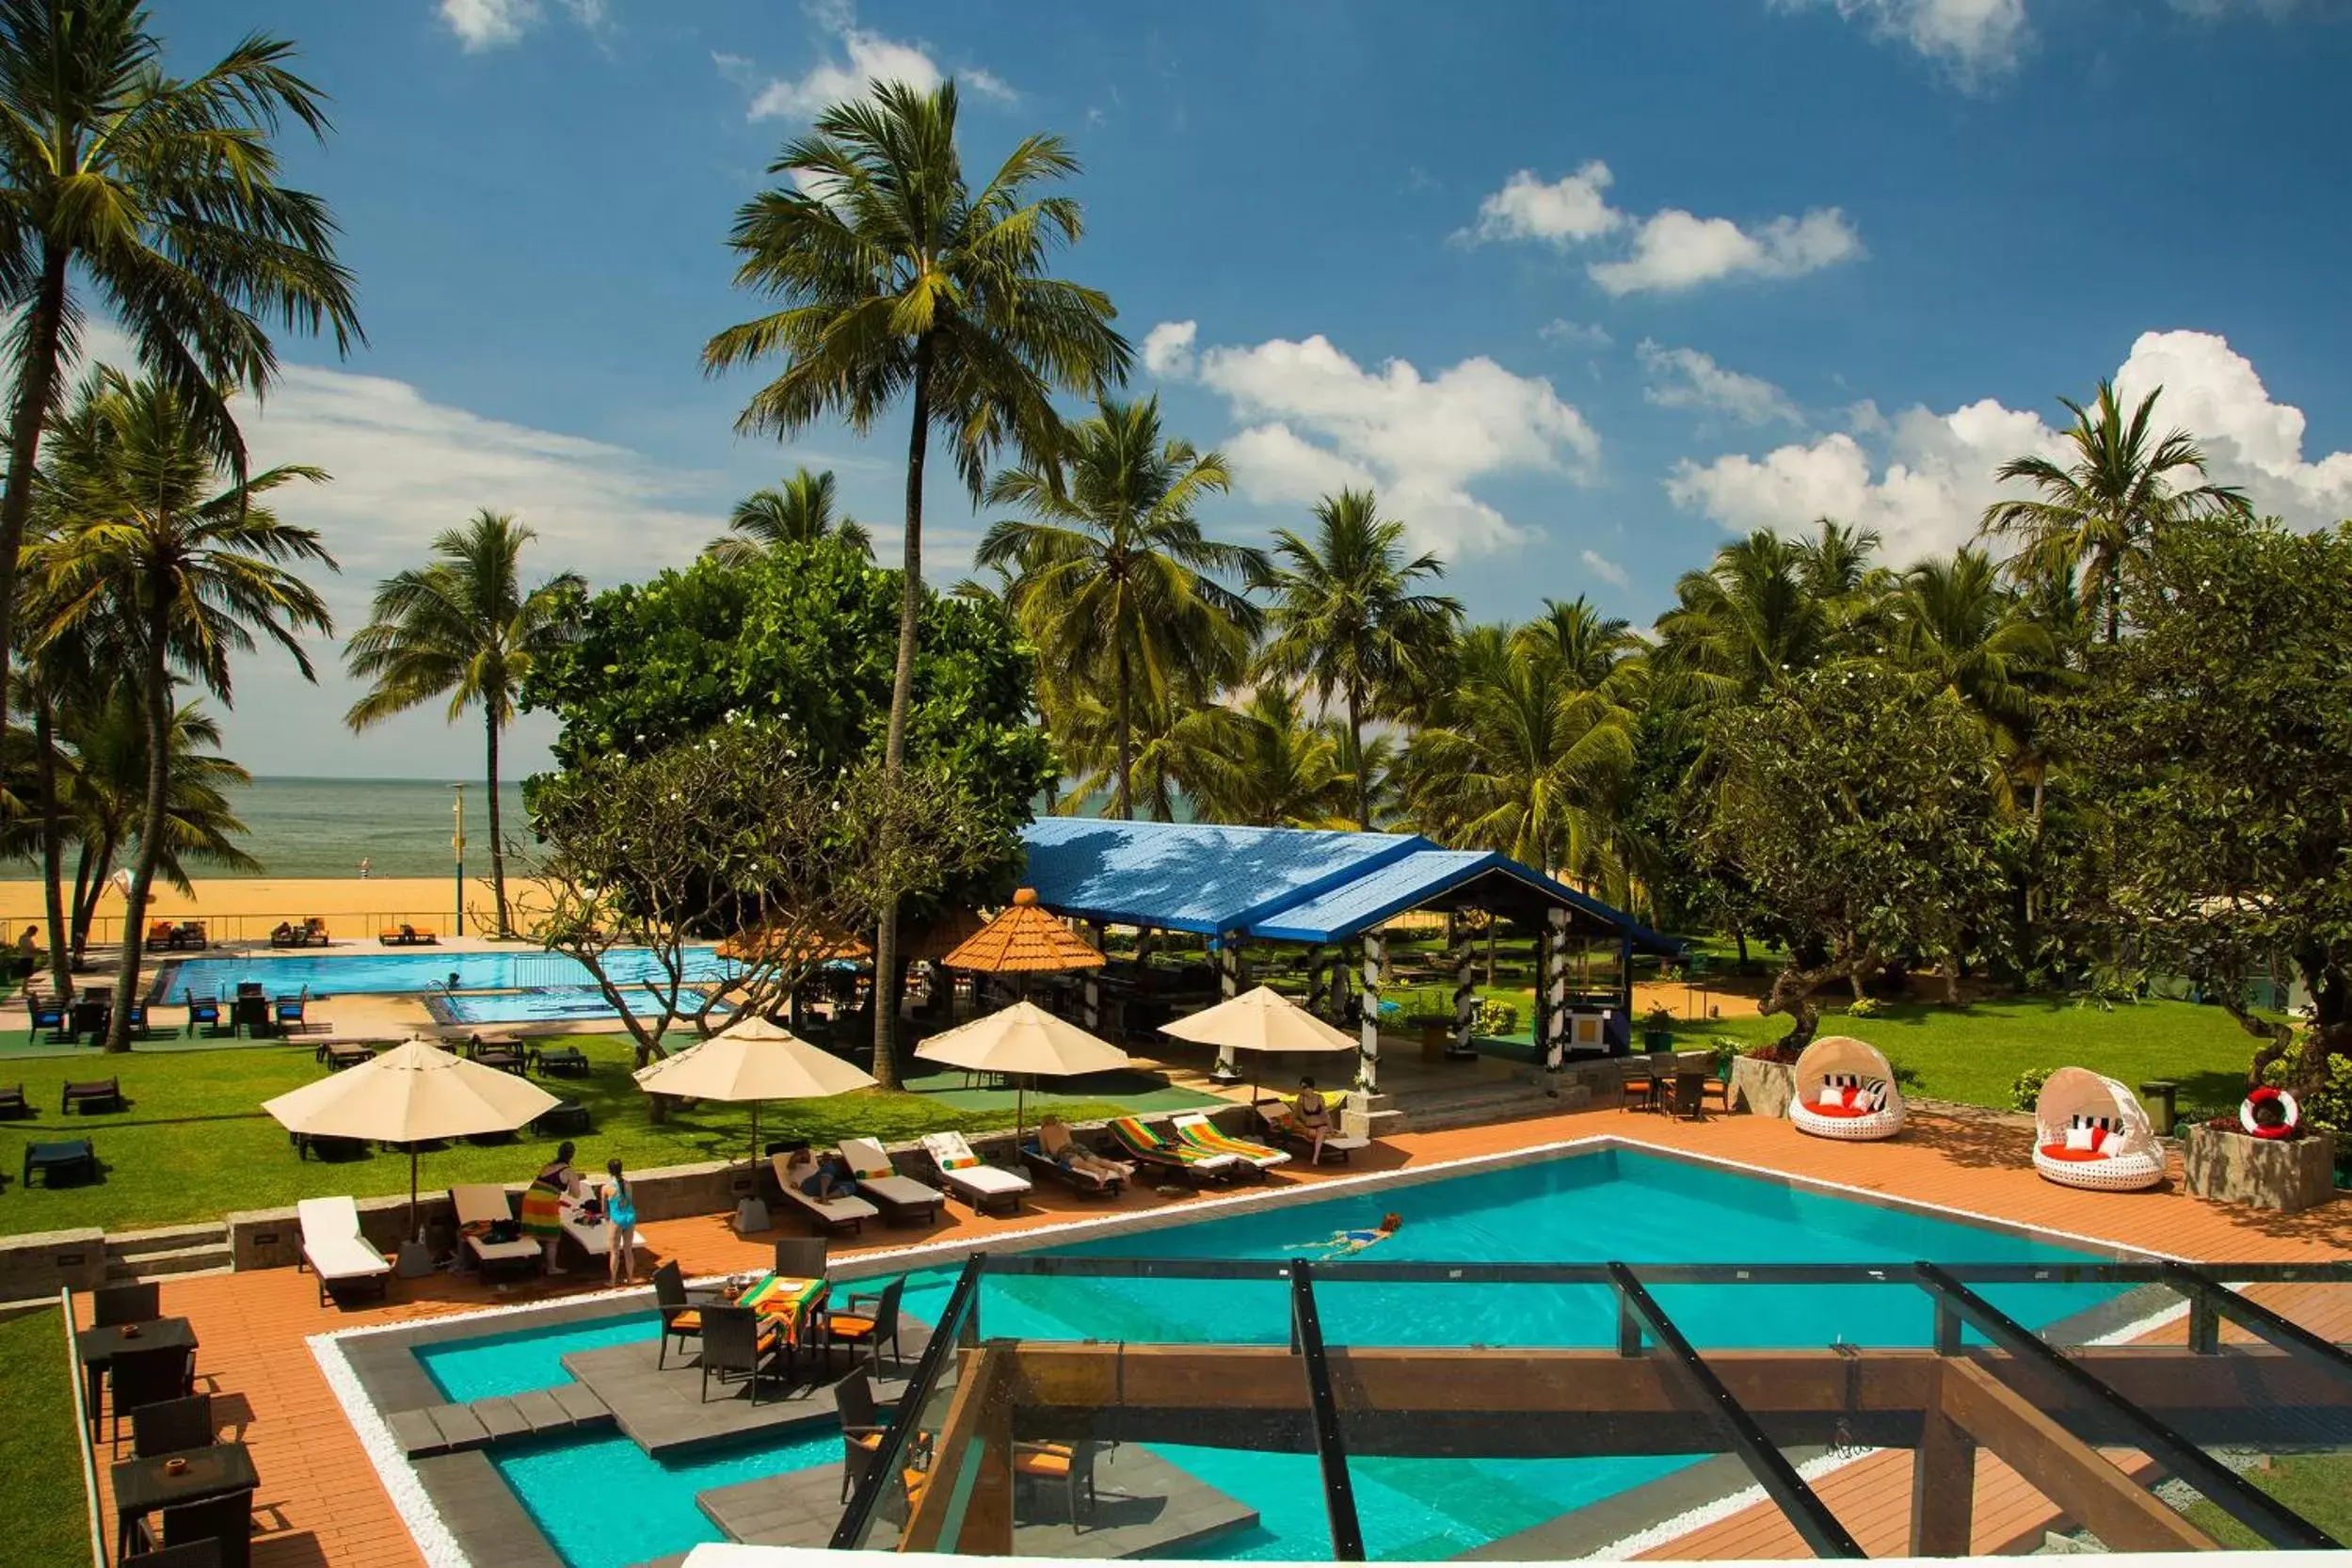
(828, 1213)
(901, 1197)
(484, 1203)
(333, 1248)
(982, 1186)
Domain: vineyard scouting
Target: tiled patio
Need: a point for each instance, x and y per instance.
(321, 1503)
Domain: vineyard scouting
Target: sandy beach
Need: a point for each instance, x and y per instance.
(238, 909)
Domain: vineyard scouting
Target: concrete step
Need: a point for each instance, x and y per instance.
(164, 1238)
(203, 1259)
(1487, 1104)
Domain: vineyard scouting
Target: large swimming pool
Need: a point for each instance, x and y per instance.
(1607, 1205)
(412, 971)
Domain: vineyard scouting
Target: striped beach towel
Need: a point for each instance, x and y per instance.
(1201, 1133)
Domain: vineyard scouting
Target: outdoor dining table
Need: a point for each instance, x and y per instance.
(95, 1348)
(793, 1304)
(143, 1485)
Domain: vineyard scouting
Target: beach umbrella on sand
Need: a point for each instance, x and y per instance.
(413, 1093)
(1023, 1040)
(1263, 1021)
(753, 1059)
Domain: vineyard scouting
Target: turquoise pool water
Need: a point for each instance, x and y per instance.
(397, 971)
(1610, 1205)
(602, 1503)
(514, 1007)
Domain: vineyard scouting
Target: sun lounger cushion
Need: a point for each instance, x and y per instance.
(962, 1170)
(826, 1212)
(1201, 1133)
(1131, 1131)
(332, 1242)
(879, 1178)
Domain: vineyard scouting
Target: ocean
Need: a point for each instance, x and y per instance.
(310, 828)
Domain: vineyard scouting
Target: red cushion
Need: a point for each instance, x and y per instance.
(1849, 1111)
(2098, 1139)
(2059, 1151)
(1853, 1094)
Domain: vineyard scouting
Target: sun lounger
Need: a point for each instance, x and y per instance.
(482, 1214)
(1195, 1130)
(1092, 1184)
(902, 1198)
(407, 937)
(982, 1186)
(335, 1250)
(1281, 1120)
(1146, 1148)
(92, 1095)
(13, 1102)
(850, 1214)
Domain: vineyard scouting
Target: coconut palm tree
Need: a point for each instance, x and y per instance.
(464, 627)
(1276, 767)
(2104, 513)
(1748, 621)
(798, 511)
(1594, 650)
(159, 196)
(898, 278)
(1112, 573)
(1348, 619)
(1954, 620)
(182, 567)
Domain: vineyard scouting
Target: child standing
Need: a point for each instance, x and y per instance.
(620, 1212)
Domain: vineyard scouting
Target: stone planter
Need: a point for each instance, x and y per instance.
(2288, 1174)
(1763, 1088)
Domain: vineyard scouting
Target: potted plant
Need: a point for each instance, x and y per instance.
(1762, 1080)
(1658, 1030)
(2265, 1157)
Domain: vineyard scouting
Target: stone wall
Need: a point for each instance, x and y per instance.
(2289, 1175)
(1763, 1088)
(38, 1263)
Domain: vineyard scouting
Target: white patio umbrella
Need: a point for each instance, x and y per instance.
(414, 1092)
(1262, 1020)
(753, 1059)
(1022, 1040)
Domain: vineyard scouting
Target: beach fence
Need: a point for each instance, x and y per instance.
(105, 931)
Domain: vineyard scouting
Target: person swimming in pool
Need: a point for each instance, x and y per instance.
(1346, 1243)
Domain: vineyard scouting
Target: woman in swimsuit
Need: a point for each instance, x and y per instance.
(1346, 1243)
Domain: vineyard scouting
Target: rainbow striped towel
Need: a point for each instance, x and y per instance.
(784, 1299)
(1132, 1132)
(1204, 1135)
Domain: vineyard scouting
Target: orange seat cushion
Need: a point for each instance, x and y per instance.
(686, 1323)
(854, 1327)
(869, 1441)
(1041, 1464)
(2059, 1151)
(1848, 1111)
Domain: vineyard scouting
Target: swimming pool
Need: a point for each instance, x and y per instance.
(1604, 1204)
(543, 1006)
(394, 973)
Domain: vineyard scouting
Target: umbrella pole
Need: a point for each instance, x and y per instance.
(755, 1135)
(1020, 1104)
(413, 1228)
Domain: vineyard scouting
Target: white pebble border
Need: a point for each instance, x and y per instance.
(435, 1544)
(1721, 1508)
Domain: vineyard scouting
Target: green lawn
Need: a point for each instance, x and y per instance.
(2317, 1486)
(194, 1144)
(40, 1456)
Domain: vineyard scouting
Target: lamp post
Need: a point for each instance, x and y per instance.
(458, 843)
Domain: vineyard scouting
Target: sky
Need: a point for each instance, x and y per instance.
(1584, 289)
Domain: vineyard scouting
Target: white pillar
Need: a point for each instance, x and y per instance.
(1368, 1069)
(1228, 950)
(1465, 994)
(1555, 998)
(1093, 982)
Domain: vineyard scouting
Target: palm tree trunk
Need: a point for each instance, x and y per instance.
(1122, 809)
(498, 839)
(52, 848)
(1355, 743)
(85, 902)
(158, 694)
(38, 380)
(901, 695)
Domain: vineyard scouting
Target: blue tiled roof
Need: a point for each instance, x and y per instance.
(1272, 882)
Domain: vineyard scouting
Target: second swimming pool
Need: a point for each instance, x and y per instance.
(412, 971)
(1610, 1205)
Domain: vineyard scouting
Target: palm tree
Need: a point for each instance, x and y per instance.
(897, 277)
(799, 511)
(182, 573)
(1347, 620)
(161, 194)
(1748, 621)
(2104, 514)
(1112, 573)
(1277, 768)
(464, 627)
(1953, 620)
(1594, 650)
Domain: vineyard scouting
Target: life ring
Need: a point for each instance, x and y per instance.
(2290, 1113)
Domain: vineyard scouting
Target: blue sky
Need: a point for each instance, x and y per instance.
(1584, 288)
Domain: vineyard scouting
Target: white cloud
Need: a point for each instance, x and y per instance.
(1673, 250)
(866, 60)
(1937, 473)
(488, 24)
(1974, 39)
(1315, 421)
(1687, 379)
(1562, 333)
(1567, 212)
(1603, 568)
(735, 68)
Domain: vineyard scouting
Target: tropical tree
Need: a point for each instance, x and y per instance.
(1276, 767)
(898, 278)
(1953, 620)
(159, 194)
(1595, 651)
(2104, 513)
(1768, 609)
(1112, 576)
(798, 511)
(160, 550)
(465, 628)
(1348, 619)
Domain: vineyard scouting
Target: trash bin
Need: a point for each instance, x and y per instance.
(2157, 1096)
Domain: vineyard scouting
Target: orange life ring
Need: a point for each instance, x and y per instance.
(2290, 1113)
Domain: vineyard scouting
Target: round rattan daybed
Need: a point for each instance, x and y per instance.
(2092, 1132)
(1845, 1088)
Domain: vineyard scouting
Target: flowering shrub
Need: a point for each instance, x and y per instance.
(1497, 1018)
(2027, 1089)
(1865, 1007)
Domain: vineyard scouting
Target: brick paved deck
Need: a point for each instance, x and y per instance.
(321, 1502)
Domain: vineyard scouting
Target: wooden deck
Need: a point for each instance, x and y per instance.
(320, 1501)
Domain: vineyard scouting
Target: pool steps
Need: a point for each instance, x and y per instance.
(442, 1429)
(143, 1255)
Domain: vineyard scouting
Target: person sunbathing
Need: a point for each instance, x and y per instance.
(1346, 1243)
(1068, 1152)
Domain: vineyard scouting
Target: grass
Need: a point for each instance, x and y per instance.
(2317, 1486)
(39, 1452)
(194, 1142)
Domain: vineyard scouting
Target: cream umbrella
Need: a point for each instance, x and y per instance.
(1022, 1040)
(753, 1059)
(1262, 1020)
(414, 1092)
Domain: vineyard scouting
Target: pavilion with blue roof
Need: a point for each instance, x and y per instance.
(1328, 891)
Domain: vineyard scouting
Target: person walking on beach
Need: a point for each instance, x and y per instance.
(363, 868)
(620, 1212)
